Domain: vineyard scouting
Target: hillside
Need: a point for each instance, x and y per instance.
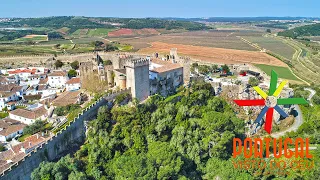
(72, 24)
(308, 30)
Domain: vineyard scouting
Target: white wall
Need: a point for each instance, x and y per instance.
(71, 87)
(21, 119)
(57, 81)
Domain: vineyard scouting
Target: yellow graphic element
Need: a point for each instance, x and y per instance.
(280, 87)
(260, 92)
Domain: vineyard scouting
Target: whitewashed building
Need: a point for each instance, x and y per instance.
(9, 128)
(57, 79)
(73, 84)
(29, 116)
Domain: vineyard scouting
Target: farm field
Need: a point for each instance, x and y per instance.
(218, 39)
(314, 38)
(35, 38)
(273, 45)
(133, 32)
(43, 49)
(86, 40)
(121, 32)
(99, 32)
(63, 30)
(80, 32)
(283, 72)
(215, 55)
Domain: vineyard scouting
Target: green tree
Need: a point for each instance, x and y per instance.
(253, 81)
(34, 127)
(58, 64)
(72, 73)
(75, 65)
(107, 62)
(225, 68)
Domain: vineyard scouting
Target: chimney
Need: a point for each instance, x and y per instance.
(42, 134)
(37, 136)
(29, 144)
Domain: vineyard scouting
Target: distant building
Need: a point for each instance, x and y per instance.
(9, 128)
(73, 84)
(9, 93)
(18, 152)
(164, 77)
(57, 79)
(28, 116)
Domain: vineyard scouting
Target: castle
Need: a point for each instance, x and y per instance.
(145, 75)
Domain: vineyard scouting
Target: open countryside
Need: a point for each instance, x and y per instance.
(216, 55)
(95, 97)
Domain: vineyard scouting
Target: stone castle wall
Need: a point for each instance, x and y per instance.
(81, 57)
(71, 137)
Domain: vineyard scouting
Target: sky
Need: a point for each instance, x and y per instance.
(160, 8)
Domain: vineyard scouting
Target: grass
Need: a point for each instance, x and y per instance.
(272, 44)
(43, 49)
(23, 137)
(35, 38)
(99, 32)
(283, 72)
(86, 40)
(80, 32)
(4, 114)
(20, 107)
(124, 47)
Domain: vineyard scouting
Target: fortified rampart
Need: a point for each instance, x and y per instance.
(81, 57)
(59, 145)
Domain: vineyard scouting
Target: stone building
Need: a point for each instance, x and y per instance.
(165, 77)
(144, 76)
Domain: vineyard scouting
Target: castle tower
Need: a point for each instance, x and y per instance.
(183, 61)
(86, 68)
(137, 72)
(174, 55)
(186, 69)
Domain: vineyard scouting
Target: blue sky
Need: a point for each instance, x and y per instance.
(160, 8)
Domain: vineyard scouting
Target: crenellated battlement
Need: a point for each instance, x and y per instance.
(31, 160)
(137, 62)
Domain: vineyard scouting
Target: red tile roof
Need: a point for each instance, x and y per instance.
(17, 71)
(10, 126)
(43, 81)
(30, 114)
(166, 68)
(57, 73)
(66, 98)
(73, 81)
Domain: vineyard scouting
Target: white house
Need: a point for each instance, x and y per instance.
(28, 116)
(9, 128)
(73, 84)
(57, 79)
(10, 92)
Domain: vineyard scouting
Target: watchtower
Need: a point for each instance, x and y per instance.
(137, 72)
(174, 55)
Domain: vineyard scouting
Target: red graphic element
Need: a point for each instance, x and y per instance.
(268, 124)
(256, 102)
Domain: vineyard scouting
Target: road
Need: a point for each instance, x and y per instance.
(312, 93)
(296, 124)
(298, 120)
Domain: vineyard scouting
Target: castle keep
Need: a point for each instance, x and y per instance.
(145, 75)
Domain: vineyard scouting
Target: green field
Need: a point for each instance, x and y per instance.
(272, 44)
(34, 38)
(43, 49)
(99, 32)
(282, 72)
(80, 32)
(86, 40)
